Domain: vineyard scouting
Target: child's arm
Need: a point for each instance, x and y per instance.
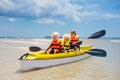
(47, 48)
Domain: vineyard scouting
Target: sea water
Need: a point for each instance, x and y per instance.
(92, 68)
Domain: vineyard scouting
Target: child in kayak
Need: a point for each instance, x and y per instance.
(75, 43)
(65, 42)
(55, 46)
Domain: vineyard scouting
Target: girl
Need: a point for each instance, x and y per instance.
(55, 46)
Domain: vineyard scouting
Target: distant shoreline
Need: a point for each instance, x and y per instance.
(49, 37)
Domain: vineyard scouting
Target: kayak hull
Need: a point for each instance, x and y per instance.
(32, 64)
(40, 59)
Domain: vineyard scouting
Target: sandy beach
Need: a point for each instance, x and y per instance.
(92, 68)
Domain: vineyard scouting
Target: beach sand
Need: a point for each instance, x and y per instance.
(92, 68)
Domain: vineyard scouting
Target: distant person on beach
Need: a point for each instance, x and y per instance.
(65, 42)
(55, 45)
(75, 43)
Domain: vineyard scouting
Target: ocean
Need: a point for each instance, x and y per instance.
(92, 68)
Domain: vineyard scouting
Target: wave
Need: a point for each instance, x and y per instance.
(115, 41)
(25, 41)
(40, 40)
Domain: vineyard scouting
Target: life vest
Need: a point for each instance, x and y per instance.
(75, 39)
(66, 45)
(55, 44)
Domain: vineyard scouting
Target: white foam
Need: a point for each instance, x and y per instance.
(41, 40)
(115, 41)
(34, 41)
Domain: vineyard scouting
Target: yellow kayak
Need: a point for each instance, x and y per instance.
(34, 60)
(43, 56)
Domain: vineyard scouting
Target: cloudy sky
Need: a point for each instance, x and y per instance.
(38, 18)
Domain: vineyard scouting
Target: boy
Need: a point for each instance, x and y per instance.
(75, 43)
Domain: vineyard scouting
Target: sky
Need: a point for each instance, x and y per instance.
(39, 18)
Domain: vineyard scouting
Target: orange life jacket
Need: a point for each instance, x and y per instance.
(75, 39)
(55, 45)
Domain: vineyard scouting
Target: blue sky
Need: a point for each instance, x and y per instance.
(39, 18)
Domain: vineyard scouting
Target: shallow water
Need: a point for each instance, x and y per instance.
(92, 68)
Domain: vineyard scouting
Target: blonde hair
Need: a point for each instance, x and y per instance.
(66, 35)
(55, 33)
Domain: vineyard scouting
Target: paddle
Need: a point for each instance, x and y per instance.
(93, 36)
(97, 34)
(34, 48)
(97, 52)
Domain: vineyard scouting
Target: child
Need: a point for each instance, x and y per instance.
(75, 44)
(55, 45)
(65, 42)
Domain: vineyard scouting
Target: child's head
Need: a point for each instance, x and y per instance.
(73, 33)
(66, 37)
(55, 36)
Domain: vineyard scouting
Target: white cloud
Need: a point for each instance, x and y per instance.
(86, 13)
(45, 21)
(48, 12)
(12, 19)
(109, 16)
(40, 9)
(60, 22)
(7, 5)
(68, 10)
(49, 21)
(76, 19)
